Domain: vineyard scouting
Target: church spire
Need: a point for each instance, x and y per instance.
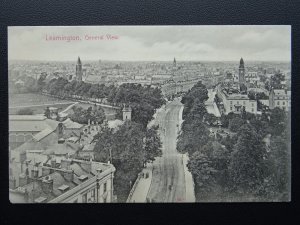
(241, 62)
(78, 61)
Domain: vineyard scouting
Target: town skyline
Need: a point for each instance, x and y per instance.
(152, 43)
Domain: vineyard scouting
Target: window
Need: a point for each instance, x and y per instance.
(252, 110)
(230, 102)
(230, 108)
(84, 198)
(252, 104)
(104, 187)
(283, 103)
(237, 102)
(278, 103)
(283, 108)
(244, 102)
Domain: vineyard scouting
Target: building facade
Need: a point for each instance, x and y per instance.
(280, 98)
(236, 102)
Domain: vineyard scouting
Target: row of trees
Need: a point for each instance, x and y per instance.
(253, 165)
(142, 99)
(128, 148)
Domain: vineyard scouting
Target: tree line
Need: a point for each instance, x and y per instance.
(250, 164)
(144, 100)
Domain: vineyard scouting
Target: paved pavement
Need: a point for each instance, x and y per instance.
(69, 107)
(189, 182)
(168, 178)
(142, 188)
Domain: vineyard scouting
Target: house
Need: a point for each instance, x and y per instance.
(280, 98)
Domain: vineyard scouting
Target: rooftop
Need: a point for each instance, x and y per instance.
(63, 184)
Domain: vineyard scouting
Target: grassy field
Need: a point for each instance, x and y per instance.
(16, 100)
(36, 102)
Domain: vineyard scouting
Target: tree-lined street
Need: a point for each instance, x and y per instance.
(168, 181)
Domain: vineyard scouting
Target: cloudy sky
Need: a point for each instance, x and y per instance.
(212, 43)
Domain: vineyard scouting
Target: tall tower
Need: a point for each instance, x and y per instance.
(126, 112)
(174, 63)
(242, 72)
(79, 70)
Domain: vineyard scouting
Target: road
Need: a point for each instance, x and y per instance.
(168, 179)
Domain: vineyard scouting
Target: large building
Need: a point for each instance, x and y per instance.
(37, 128)
(62, 180)
(280, 98)
(236, 102)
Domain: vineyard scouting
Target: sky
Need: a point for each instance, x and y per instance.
(152, 43)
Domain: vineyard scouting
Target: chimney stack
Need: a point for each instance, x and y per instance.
(66, 163)
(68, 175)
(47, 185)
(53, 163)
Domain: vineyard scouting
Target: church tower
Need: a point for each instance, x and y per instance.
(242, 72)
(79, 70)
(126, 112)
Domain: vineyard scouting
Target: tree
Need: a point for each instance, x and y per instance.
(235, 124)
(128, 156)
(229, 142)
(104, 144)
(143, 100)
(260, 126)
(247, 164)
(129, 147)
(197, 111)
(276, 79)
(210, 119)
(276, 184)
(201, 167)
(278, 121)
(82, 116)
(152, 144)
(226, 118)
(192, 137)
(197, 92)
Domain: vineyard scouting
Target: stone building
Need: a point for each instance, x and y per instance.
(64, 181)
(280, 98)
